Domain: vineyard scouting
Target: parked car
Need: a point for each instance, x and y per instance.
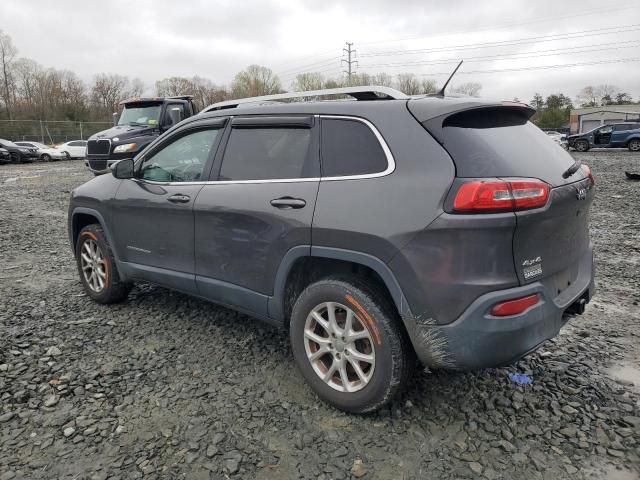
(18, 153)
(74, 149)
(617, 135)
(559, 138)
(44, 152)
(5, 156)
(375, 231)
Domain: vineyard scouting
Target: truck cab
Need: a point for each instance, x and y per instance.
(141, 120)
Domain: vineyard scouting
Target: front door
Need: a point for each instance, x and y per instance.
(153, 212)
(602, 136)
(260, 207)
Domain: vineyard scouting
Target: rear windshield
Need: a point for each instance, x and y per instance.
(502, 142)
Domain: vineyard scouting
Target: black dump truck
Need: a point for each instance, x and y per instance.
(141, 121)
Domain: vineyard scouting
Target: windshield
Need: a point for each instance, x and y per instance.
(7, 143)
(140, 114)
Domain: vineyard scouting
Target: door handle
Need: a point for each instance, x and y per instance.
(284, 203)
(179, 198)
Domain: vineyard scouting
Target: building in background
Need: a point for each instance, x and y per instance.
(585, 119)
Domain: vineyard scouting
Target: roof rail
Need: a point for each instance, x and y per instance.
(370, 92)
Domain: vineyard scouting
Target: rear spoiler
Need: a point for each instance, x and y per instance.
(432, 112)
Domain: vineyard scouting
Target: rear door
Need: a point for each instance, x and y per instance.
(548, 242)
(260, 206)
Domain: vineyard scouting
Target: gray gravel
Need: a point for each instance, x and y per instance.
(167, 386)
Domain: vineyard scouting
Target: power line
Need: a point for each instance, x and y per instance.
(286, 65)
(499, 27)
(541, 67)
(305, 67)
(520, 41)
(511, 56)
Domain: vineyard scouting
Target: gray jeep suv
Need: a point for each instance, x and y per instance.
(377, 231)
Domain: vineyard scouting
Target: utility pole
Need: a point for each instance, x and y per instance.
(350, 51)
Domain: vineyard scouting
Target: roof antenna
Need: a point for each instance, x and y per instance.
(441, 92)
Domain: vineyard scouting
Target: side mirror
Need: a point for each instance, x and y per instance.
(114, 116)
(123, 169)
(175, 114)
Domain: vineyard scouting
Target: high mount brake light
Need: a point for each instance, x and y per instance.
(491, 195)
(587, 171)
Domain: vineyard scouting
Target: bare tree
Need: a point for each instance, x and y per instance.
(471, 89)
(588, 97)
(307, 81)
(108, 90)
(408, 83)
(7, 54)
(256, 80)
(382, 79)
(429, 86)
(206, 92)
(173, 86)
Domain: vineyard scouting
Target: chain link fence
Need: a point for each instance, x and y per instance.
(49, 132)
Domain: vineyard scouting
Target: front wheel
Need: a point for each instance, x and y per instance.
(45, 157)
(66, 154)
(581, 145)
(634, 145)
(349, 344)
(97, 268)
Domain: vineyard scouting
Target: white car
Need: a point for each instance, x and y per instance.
(74, 148)
(559, 138)
(45, 153)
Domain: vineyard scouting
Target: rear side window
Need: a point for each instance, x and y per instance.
(269, 154)
(349, 147)
(502, 142)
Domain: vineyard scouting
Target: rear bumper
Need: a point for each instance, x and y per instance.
(479, 340)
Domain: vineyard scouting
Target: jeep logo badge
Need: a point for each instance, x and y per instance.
(581, 193)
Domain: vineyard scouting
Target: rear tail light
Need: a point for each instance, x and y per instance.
(515, 306)
(587, 171)
(493, 195)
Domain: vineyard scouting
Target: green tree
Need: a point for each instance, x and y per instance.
(256, 80)
(552, 118)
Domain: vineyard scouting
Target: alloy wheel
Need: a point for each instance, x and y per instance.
(339, 347)
(93, 265)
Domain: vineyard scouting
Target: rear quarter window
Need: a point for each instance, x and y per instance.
(349, 147)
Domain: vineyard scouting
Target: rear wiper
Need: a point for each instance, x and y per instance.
(572, 169)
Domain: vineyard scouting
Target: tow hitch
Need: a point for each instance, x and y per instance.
(577, 307)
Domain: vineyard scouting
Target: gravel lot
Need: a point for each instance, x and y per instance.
(167, 386)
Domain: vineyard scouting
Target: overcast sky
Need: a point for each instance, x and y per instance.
(215, 39)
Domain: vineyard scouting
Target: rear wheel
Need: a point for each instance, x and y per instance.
(634, 145)
(581, 145)
(97, 268)
(15, 157)
(349, 344)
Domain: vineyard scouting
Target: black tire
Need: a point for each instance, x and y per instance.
(115, 290)
(67, 155)
(45, 157)
(15, 157)
(634, 145)
(581, 146)
(394, 355)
